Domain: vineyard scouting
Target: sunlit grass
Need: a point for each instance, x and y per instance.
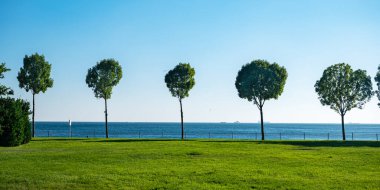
(196, 164)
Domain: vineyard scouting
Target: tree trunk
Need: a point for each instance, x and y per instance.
(262, 124)
(343, 131)
(106, 115)
(182, 133)
(33, 117)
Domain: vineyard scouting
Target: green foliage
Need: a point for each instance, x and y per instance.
(3, 69)
(35, 74)
(342, 89)
(197, 164)
(15, 126)
(103, 77)
(180, 80)
(377, 79)
(259, 81)
(4, 91)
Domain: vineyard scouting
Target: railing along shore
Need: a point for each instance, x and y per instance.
(211, 135)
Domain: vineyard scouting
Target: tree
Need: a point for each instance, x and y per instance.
(180, 81)
(342, 89)
(4, 91)
(14, 117)
(102, 78)
(260, 81)
(377, 79)
(34, 76)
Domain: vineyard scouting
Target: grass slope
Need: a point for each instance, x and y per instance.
(195, 164)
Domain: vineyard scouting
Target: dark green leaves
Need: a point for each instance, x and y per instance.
(15, 128)
(342, 89)
(377, 79)
(3, 89)
(103, 77)
(3, 69)
(180, 80)
(259, 81)
(35, 74)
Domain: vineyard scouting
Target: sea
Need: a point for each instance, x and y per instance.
(168, 130)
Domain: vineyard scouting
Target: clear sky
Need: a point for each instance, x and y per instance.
(149, 38)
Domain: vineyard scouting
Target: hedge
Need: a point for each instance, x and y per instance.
(15, 126)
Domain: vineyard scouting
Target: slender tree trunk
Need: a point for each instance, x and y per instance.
(106, 115)
(182, 133)
(343, 131)
(262, 124)
(33, 117)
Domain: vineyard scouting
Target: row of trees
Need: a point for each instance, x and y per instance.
(340, 87)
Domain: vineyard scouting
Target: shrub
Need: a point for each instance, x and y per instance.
(15, 127)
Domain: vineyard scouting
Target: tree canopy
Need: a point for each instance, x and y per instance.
(180, 80)
(3, 89)
(103, 77)
(377, 79)
(259, 81)
(35, 74)
(342, 89)
(3, 69)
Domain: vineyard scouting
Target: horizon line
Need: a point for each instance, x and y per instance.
(82, 121)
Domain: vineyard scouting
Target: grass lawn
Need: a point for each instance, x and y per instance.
(194, 164)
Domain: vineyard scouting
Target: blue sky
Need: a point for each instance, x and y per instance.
(149, 38)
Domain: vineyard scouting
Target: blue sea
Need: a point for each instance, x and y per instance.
(274, 131)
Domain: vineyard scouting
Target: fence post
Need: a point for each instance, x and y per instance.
(377, 137)
(304, 136)
(71, 133)
(162, 134)
(94, 133)
(256, 136)
(352, 137)
(232, 135)
(280, 137)
(328, 136)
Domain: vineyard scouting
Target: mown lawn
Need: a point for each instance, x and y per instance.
(195, 164)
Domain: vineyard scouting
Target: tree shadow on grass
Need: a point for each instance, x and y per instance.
(100, 140)
(130, 140)
(304, 143)
(58, 139)
(328, 143)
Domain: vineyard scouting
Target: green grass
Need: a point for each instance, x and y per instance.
(195, 164)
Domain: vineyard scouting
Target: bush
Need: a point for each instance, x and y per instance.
(15, 126)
